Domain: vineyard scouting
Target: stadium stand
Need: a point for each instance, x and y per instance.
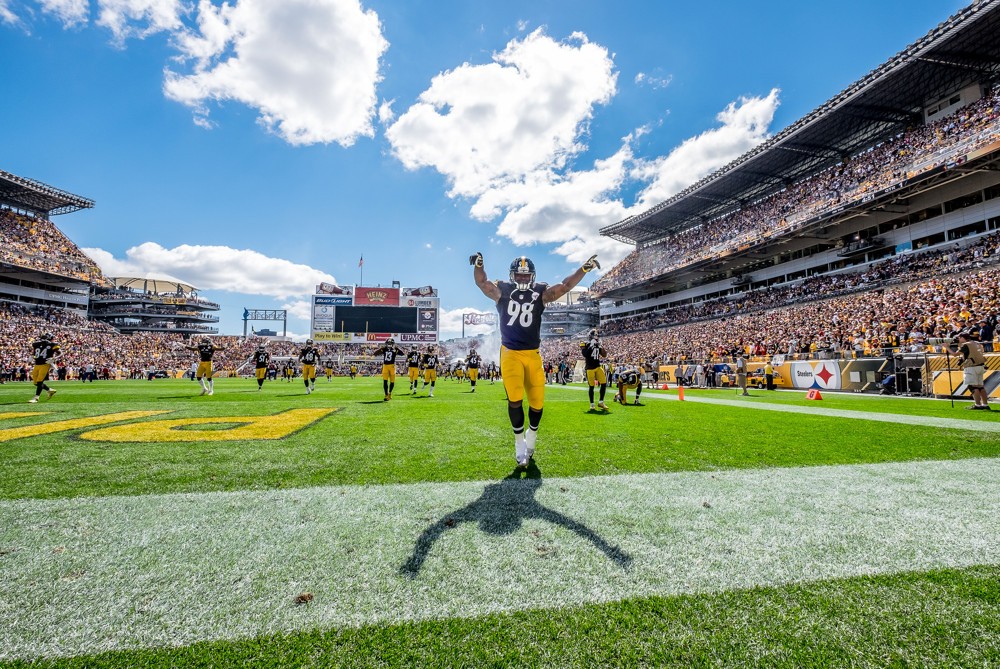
(153, 305)
(870, 222)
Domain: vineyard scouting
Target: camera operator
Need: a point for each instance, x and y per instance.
(972, 360)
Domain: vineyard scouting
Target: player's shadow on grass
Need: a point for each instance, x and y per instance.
(501, 510)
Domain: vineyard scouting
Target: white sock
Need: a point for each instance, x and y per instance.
(530, 437)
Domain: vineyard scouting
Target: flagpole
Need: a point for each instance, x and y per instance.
(361, 265)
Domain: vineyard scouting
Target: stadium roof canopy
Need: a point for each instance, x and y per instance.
(158, 286)
(28, 194)
(962, 51)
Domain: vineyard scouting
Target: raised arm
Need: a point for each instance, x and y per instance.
(489, 288)
(553, 293)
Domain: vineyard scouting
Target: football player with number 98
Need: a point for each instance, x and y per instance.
(520, 303)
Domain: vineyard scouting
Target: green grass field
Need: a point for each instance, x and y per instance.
(718, 531)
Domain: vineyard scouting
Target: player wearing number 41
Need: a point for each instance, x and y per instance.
(388, 352)
(309, 357)
(520, 303)
(43, 351)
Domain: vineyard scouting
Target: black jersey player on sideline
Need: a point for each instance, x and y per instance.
(592, 352)
(43, 352)
(520, 303)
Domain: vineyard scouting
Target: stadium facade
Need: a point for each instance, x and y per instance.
(822, 196)
(41, 268)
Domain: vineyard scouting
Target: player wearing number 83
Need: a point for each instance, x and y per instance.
(520, 303)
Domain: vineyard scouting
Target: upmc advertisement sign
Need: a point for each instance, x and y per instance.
(377, 297)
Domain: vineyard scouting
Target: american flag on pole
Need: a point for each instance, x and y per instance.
(361, 262)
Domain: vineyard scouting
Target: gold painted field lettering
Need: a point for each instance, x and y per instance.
(68, 424)
(216, 428)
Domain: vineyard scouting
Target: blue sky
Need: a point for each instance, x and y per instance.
(256, 147)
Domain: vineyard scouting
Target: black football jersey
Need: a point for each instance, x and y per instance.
(388, 354)
(413, 359)
(43, 350)
(473, 361)
(206, 351)
(261, 358)
(520, 316)
(430, 360)
(309, 355)
(592, 353)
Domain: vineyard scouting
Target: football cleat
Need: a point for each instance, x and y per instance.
(385, 399)
(591, 406)
(33, 400)
(51, 393)
(522, 273)
(211, 392)
(530, 437)
(204, 391)
(602, 406)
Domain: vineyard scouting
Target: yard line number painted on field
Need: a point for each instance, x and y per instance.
(216, 428)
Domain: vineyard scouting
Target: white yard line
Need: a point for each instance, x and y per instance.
(991, 426)
(88, 575)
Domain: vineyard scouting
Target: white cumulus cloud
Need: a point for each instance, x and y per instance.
(309, 66)
(69, 12)
(7, 15)
(485, 125)
(507, 135)
(744, 125)
(214, 268)
(140, 18)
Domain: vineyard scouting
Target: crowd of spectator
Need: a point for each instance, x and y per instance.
(92, 347)
(903, 156)
(36, 243)
(904, 317)
(906, 267)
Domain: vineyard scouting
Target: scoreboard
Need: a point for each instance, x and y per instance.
(361, 314)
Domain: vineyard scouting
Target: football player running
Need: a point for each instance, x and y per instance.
(520, 303)
(388, 351)
(206, 349)
(309, 357)
(413, 367)
(260, 358)
(43, 352)
(592, 352)
(429, 362)
(473, 361)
